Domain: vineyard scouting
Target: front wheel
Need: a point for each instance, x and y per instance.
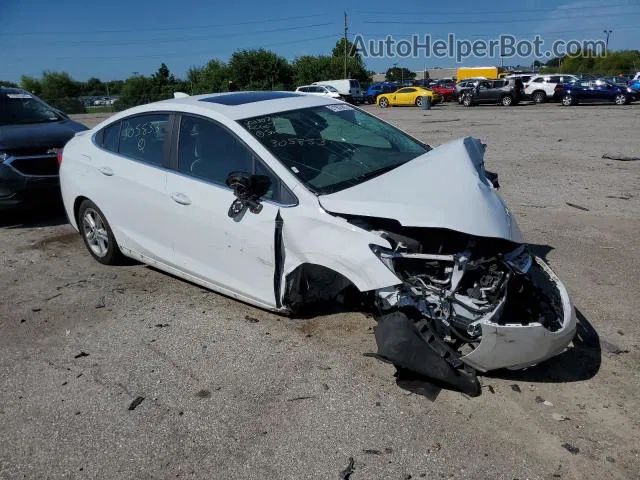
(383, 102)
(507, 101)
(97, 234)
(568, 100)
(621, 99)
(539, 97)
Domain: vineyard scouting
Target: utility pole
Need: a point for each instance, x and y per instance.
(607, 33)
(345, 44)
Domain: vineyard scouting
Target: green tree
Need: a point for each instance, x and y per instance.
(4, 83)
(338, 50)
(30, 84)
(259, 70)
(95, 86)
(139, 89)
(395, 74)
(213, 77)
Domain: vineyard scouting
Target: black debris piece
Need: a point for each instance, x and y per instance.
(579, 207)
(325, 386)
(491, 389)
(36, 309)
(620, 158)
(22, 320)
(371, 451)
(619, 197)
(346, 473)
(64, 383)
(388, 450)
(251, 319)
(162, 325)
(570, 448)
(101, 303)
(136, 401)
(307, 397)
(611, 460)
(516, 388)
(408, 477)
(539, 399)
(410, 344)
(81, 354)
(79, 375)
(204, 393)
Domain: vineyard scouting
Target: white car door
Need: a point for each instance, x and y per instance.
(235, 255)
(129, 180)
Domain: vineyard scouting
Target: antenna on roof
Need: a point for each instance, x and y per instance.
(180, 95)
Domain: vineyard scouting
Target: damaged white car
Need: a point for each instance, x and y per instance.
(291, 202)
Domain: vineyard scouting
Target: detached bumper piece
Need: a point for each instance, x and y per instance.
(412, 345)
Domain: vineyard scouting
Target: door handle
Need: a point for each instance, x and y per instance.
(106, 171)
(180, 198)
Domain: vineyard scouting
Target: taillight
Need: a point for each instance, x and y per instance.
(59, 154)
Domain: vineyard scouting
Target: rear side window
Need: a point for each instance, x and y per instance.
(110, 137)
(354, 84)
(142, 138)
(538, 80)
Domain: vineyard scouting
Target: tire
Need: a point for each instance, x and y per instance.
(419, 101)
(467, 101)
(507, 101)
(539, 96)
(383, 102)
(621, 99)
(97, 235)
(568, 100)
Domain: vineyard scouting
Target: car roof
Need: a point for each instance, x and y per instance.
(233, 105)
(12, 90)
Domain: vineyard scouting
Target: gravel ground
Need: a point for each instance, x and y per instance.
(231, 391)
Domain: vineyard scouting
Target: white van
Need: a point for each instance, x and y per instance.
(322, 90)
(348, 89)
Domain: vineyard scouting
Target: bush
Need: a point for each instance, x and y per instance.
(68, 105)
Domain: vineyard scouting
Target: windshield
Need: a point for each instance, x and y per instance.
(333, 147)
(330, 88)
(20, 108)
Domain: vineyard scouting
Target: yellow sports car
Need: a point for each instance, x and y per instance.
(408, 96)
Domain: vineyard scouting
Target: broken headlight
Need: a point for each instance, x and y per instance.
(385, 255)
(519, 259)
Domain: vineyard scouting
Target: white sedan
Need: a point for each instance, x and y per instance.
(320, 90)
(296, 202)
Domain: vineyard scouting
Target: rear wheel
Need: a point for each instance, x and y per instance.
(539, 97)
(419, 101)
(383, 102)
(621, 99)
(568, 100)
(467, 100)
(97, 234)
(507, 101)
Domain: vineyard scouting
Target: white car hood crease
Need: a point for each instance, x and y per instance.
(443, 188)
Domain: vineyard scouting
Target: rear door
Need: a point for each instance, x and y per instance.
(131, 174)
(236, 255)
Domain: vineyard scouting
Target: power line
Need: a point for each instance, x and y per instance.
(475, 22)
(154, 41)
(495, 12)
(163, 29)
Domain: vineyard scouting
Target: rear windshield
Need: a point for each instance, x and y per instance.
(333, 147)
(19, 108)
(354, 84)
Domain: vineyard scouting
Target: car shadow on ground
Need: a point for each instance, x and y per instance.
(48, 216)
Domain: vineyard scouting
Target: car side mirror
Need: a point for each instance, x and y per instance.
(248, 189)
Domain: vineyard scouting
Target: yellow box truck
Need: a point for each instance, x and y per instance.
(474, 72)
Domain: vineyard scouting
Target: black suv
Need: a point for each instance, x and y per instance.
(508, 91)
(31, 134)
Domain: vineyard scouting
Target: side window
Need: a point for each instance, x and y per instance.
(555, 79)
(210, 152)
(142, 137)
(278, 191)
(538, 80)
(110, 136)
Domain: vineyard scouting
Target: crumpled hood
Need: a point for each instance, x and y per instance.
(53, 135)
(444, 188)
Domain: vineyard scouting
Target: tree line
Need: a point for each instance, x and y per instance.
(256, 69)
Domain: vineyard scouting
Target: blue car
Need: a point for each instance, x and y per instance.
(634, 86)
(592, 91)
(376, 89)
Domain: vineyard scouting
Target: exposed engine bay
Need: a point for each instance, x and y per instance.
(453, 287)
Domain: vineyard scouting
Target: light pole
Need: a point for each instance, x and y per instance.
(395, 67)
(607, 33)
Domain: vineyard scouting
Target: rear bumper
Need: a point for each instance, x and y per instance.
(18, 189)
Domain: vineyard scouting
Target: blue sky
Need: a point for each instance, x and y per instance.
(111, 40)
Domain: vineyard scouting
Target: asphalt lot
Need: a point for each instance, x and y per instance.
(231, 391)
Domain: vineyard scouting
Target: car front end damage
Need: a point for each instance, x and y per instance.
(469, 294)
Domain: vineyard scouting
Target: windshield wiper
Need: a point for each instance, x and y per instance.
(380, 171)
